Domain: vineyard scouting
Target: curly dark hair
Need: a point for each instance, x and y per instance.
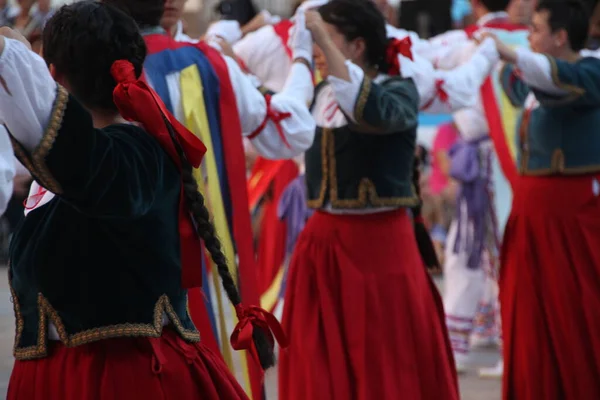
(82, 41)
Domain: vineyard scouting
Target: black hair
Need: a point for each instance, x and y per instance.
(495, 5)
(572, 16)
(242, 11)
(360, 19)
(83, 40)
(147, 13)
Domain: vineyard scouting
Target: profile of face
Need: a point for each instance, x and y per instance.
(172, 14)
(541, 37)
(353, 50)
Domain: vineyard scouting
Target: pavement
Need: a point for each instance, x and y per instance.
(472, 388)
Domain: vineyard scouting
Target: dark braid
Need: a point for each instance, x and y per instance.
(424, 243)
(206, 230)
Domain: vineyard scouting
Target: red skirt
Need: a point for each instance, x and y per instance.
(550, 290)
(364, 318)
(126, 368)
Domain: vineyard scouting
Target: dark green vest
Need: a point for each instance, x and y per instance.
(349, 169)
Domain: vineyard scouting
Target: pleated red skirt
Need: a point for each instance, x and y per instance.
(365, 320)
(550, 290)
(126, 368)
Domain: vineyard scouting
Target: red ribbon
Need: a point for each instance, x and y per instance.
(137, 102)
(249, 318)
(439, 93)
(398, 47)
(276, 117)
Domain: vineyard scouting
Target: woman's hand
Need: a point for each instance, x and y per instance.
(12, 34)
(506, 53)
(316, 26)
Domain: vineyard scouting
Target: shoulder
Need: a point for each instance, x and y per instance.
(133, 136)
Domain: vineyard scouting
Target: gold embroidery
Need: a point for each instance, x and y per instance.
(361, 100)
(47, 312)
(41, 151)
(367, 192)
(574, 90)
(318, 202)
(557, 164)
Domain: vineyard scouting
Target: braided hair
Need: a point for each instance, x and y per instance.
(362, 19)
(82, 40)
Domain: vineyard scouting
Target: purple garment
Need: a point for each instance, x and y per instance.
(293, 209)
(472, 169)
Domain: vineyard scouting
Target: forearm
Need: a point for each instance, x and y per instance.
(299, 83)
(336, 62)
(535, 70)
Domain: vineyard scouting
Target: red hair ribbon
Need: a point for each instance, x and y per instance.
(398, 47)
(419, 220)
(249, 318)
(276, 117)
(439, 93)
(137, 102)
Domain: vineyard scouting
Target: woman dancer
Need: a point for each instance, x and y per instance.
(102, 262)
(550, 260)
(365, 319)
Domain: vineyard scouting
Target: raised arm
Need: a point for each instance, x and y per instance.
(102, 172)
(279, 125)
(555, 77)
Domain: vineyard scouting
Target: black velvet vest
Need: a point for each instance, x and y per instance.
(102, 258)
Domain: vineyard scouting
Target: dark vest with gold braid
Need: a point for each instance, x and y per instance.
(559, 135)
(101, 259)
(367, 164)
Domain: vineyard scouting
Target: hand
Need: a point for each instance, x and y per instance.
(505, 52)
(226, 48)
(13, 34)
(301, 39)
(316, 26)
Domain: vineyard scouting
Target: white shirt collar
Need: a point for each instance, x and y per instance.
(489, 17)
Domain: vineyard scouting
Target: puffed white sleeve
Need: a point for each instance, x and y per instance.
(7, 169)
(280, 126)
(536, 71)
(444, 91)
(27, 94)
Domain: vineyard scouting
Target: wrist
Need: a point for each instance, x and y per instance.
(302, 60)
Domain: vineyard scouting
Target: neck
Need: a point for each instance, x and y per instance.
(569, 55)
(102, 119)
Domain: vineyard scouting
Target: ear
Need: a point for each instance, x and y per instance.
(561, 38)
(58, 77)
(359, 49)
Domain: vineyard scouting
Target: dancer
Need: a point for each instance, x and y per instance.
(266, 54)
(101, 265)
(550, 275)
(471, 253)
(357, 292)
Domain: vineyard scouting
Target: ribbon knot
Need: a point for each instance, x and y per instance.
(255, 317)
(439, 89)
(395, 48)
(276, 117)
(123, 71)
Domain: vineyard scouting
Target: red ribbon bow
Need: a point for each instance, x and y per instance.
(249, 318)
(398, 47)
(276, 117)
(137, 102)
